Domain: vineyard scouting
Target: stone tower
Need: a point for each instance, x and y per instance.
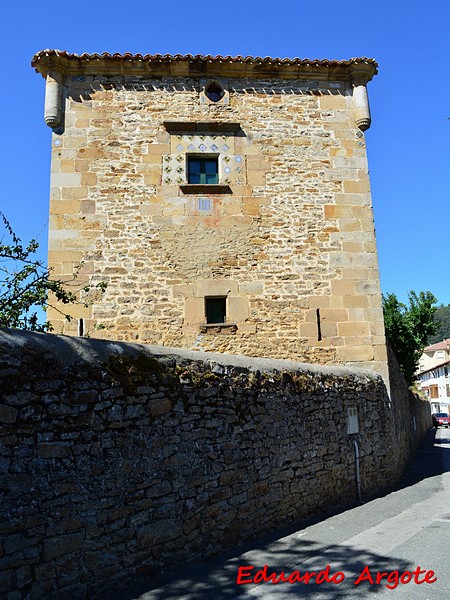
(224, 200)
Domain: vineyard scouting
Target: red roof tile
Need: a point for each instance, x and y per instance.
(198, 65)
(444, 345)
(86, 56)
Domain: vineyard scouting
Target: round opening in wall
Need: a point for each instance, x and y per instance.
(214, 91)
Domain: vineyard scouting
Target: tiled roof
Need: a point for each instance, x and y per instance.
(86, 56)
(105, 62)
(444, 345)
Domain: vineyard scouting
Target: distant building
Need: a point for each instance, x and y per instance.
(435, 382)
(433, 375)
(225, 201)
(434, 355)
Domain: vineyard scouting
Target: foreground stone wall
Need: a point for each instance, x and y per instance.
(411, 415)
(120, 460)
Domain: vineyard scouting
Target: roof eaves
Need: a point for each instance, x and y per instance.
(447, 362)
(47, 60)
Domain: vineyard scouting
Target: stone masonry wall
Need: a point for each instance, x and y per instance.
(291, 247)
(120, 460)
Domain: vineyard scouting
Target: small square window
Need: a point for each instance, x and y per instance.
(203, 170)
(216, 310)
(204, 205)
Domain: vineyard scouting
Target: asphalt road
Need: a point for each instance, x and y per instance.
(404, 534)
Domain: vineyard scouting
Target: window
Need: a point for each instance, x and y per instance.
(434, 392)
(203, 170)
(204, 205)
(214, 91)
(216, 310)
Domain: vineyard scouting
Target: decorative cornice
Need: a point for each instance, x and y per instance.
(158, 65)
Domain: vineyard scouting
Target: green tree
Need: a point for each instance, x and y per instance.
(25, 285)
(408, 328)
(442, 318)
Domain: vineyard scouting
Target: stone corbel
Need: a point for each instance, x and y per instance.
(53, 99)
(362, 109)
(361, 106)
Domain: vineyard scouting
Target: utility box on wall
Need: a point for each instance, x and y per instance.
(185, 182)
(352, 420)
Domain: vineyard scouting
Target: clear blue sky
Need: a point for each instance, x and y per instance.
(408, 143)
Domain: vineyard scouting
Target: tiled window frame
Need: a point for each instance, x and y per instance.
(208, 139)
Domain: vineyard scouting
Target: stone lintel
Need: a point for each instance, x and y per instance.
(183, 126)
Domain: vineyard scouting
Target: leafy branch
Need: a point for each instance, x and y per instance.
(408, 328)
(26, 282)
